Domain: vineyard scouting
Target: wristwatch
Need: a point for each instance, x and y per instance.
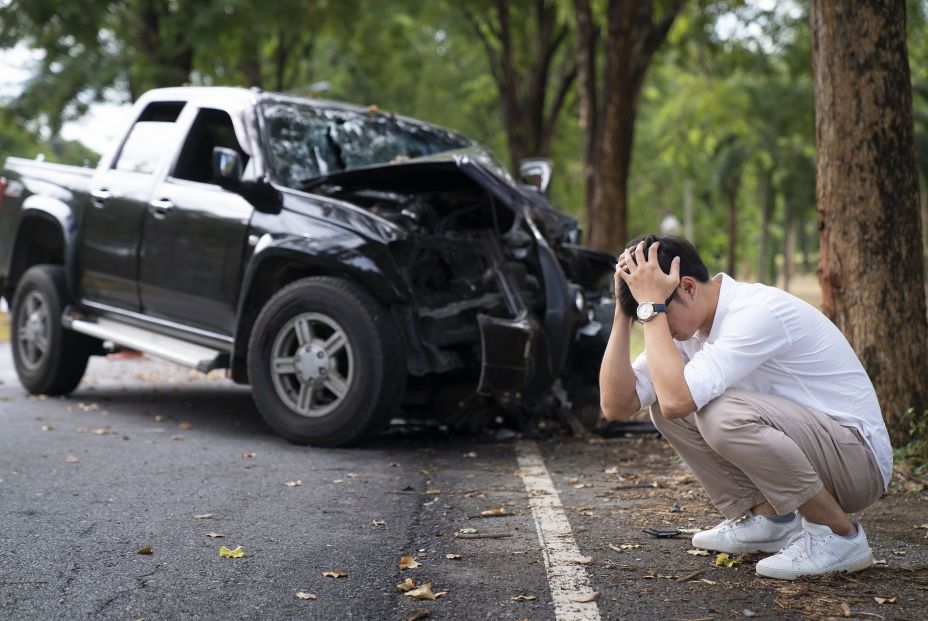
(649, 310)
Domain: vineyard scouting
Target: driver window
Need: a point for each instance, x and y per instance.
(212, 128)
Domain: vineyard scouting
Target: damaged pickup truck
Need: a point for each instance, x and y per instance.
(345, 262)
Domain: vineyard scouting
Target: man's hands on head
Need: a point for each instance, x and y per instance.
(645, 279)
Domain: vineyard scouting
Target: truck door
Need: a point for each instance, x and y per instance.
(194, 234)
(112, 224)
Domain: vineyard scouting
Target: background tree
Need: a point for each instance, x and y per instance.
(609, 103)
(871, 266)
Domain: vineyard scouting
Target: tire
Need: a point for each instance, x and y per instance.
(49, 359)
(335, 395)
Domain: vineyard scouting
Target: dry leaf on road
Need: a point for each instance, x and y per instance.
(335, 574)
(145, 550)
(724, 560)
(72, 459)
(204, 516)
(884, 600)
(408, 562)
(225, 552)
(584, 598)
(48, 428)
(523, 598)
(495, 513)
(212, 535)
(417, 614)
(302, 595)
(697, 552)
(248, 454)
(296, 483)
(452, 557)
(582, 560)
(425, 592)
(406, 585)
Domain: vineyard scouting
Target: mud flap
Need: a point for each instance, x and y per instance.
(507, 363)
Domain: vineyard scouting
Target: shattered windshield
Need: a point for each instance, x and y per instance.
(306, 141)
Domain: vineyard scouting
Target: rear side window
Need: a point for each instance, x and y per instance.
(151, 138)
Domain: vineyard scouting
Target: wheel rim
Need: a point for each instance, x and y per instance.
(33, 331)
(312, 365)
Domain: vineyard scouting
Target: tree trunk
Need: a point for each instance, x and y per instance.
(632, 38)
(766, 200)
(871, 269)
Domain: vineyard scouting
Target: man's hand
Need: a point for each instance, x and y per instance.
(645, 279)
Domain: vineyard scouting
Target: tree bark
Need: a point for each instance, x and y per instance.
(871, 270)
(609, 107)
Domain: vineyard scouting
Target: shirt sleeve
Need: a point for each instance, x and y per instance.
(748, 338)
(643, 384)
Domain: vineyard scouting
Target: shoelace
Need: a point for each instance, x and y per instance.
(798, 547)
(727, 524)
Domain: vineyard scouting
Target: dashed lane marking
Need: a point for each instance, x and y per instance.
(567, 580)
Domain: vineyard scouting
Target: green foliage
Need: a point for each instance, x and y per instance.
(916, 451)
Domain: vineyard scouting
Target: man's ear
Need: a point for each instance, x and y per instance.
(688, 283)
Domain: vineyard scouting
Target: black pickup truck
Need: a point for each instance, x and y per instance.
(344, 261)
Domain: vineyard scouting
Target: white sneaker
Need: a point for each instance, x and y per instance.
(749, 533)
(817, 550)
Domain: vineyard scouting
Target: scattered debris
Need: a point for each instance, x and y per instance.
(584, 598)
(698, 552)
(213, 535)
(145, 550)
(884, 600)
(378, 522)
(296, 483)
(249, 454)
(523, 598)
(467, 531)
(453, 557)
(72, 459)
(491, 513)
(661, 533)
(425, 592)
(185, 425)
(204, 516)
(302, 595)
(583, 560)
(406, 585)
(408, 562)
(417, 614)
(225, 552)
(337, 573)
(724, 560)
(481, 535)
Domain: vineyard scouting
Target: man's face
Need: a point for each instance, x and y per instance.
(684, 314)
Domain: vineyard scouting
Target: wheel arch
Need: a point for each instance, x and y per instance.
(40, 239)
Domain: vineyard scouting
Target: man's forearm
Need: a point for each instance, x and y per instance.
(666, 367)
(618, 398)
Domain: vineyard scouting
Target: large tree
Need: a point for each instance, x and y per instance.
(609, 103)
(871, 270)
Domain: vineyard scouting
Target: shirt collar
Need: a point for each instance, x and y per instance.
(726, 293)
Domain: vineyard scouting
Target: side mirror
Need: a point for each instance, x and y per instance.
(227, 167)
(536, 173)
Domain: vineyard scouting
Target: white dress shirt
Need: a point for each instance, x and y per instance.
(767, 341)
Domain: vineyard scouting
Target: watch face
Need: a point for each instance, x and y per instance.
(645, 310)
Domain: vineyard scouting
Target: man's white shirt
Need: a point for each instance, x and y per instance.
(767, 341)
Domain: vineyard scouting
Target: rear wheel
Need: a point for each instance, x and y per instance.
(326, 363)
(48, 358)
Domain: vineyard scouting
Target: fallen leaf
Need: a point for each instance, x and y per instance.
(214, 535)
(583, 560)
(335, 574)
(302, 595)
(417, 614)
(584, 598)
(408, 562)
(338, 481)
(612, 470)
(724, 560)
(425, 592)
(899, 552)
(47, 428)
(845, 610)
(145, 550)
(185, 425)
(452, 557)
(495, 513)
(707, 581)
(696, 552)
(248, 454)
(884, 600)
(72, 459)
(296, 483)
(204, 516)
(881, 561)
(630, 546)
(225, 552)
(467, 531)
(406, 585)
(523, 598)
(378, 523)
(748, 613)
(352, 475)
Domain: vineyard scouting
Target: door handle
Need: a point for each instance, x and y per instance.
(161, 207)
(99, 197)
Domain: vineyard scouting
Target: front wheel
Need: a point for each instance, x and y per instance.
(49, 359)
(326, 363)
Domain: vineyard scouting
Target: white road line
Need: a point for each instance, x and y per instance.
(567, 579)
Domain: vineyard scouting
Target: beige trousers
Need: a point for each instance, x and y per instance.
(746, 448)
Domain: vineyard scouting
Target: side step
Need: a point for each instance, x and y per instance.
(201, 358)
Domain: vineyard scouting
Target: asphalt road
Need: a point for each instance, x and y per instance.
(142, 448)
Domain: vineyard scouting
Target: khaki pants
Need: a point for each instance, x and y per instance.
(746, 448)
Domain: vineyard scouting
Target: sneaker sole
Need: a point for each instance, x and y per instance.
(785, 574)
(746, 548)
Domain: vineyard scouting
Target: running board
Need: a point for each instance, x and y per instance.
(201, 358)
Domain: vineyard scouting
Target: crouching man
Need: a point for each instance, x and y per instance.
(764, 399)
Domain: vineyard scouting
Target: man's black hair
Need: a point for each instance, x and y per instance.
(671, 246)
